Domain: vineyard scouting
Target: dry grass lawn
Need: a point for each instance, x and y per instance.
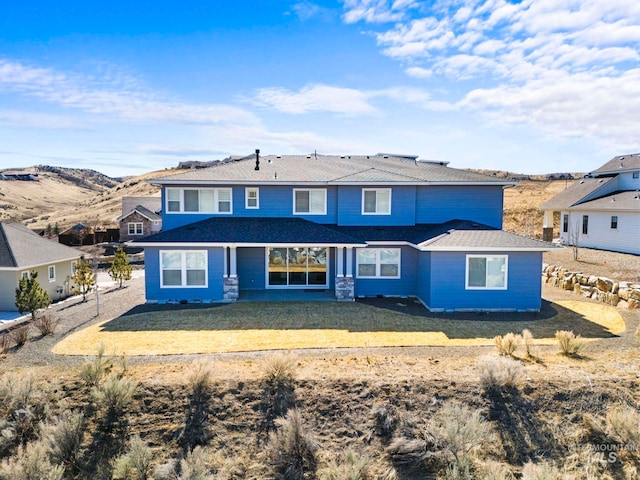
(243, 327)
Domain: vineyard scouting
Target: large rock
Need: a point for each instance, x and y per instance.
(604, 284)
(591, 281)
(633, 304)
(634, 294)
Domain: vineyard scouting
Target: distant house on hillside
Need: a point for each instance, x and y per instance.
(22, 251)
(77, 235)
(140, 217)
(349, 226)
(601, 210)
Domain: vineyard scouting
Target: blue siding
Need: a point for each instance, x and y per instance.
(403, 207)
(448, 283)
(423, 276)
(274, 201)
(251, 268)
(478, 203)
(403, 286)
(214, 291)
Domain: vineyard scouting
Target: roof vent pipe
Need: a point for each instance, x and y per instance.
(257, 159)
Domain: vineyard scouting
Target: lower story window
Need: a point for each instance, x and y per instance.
(614, 222)
(183, 268)
(487, 272)
(52, 273)
(135, 228)
(378, 263)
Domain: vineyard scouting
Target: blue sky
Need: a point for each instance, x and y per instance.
(127, 87)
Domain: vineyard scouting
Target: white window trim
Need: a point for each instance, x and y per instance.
(51, 279)
(377, 276)
(216, 201)
(376, 190)
(506, 273)
(183, 268)
(135, 228)
(323, 190)
(246, 198)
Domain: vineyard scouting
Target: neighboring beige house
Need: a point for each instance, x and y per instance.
(139, 217)
(601, 210)
(22, 251)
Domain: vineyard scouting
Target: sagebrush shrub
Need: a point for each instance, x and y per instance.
(97, 368)
(16, 391)
(540, 471)
(499, 373)
(570, 344)
(623, 422)
(461, 430)
(200, 380)
(46, 324)
(293, 447)
(30, 463)
(63, 437)
(199, 384)
(136, 463)
(113, 396)
(497, 471)
(348, 466)
(194, 466)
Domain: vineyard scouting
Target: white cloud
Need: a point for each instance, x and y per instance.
(117, 96)
(316, 98)
(375, 11)
(348, 102)
(566, 67)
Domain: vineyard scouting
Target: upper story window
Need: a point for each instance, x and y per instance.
(565, 223)
(585, 224)
(614, 222)
(636, 174)
(376, 201)
(135, 228)
(310, 201)
(487, 272)
(252, 198)
(199, 200)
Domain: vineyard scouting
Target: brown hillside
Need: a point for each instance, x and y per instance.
(69, 196)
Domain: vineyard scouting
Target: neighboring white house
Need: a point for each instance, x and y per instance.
(23, 251)
(601, 210)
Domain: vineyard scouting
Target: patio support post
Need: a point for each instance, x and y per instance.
(233, 261)
(340, 252)
(225, 265)
(349, 261)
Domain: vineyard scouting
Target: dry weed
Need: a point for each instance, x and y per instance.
(508, 344)
(20, 335)
(570, 344)
(540, 471)
(293, 447)
(46, 324)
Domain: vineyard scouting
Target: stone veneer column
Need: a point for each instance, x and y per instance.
(231, 290)
(345, 289)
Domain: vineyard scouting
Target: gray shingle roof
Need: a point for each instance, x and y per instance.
(145, 212)
(453, 235)
(252, 230)
(22, 248)
(575, 193)
(621, 163)
(628, 201)
(479, 239)
(329, 169)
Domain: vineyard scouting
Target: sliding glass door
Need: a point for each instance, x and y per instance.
(297, 267)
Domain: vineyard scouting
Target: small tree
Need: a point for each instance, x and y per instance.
(48, 231)
(30, 296)
(574, 239)
(120, 269)
(84, 279)
(56, 229)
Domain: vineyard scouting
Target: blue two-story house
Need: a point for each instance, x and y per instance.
(356, 226)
